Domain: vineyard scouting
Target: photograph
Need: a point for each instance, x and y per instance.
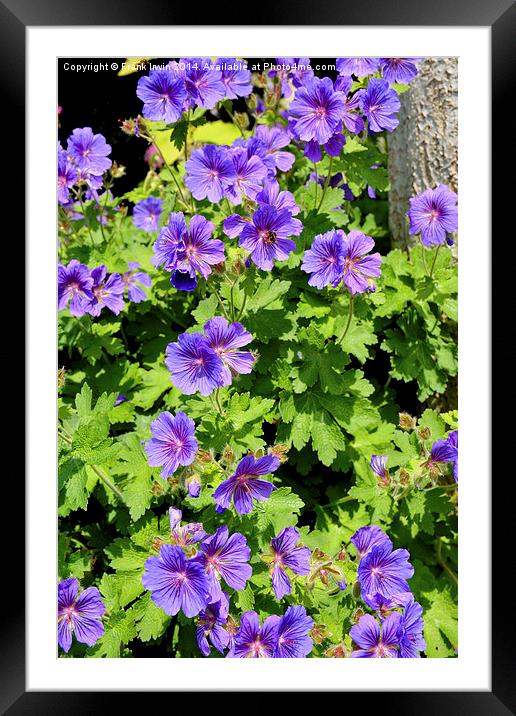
(257, 357)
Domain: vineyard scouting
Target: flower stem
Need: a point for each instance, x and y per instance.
(108, 482)
(326, 183)
(424, 258)
(220, 302)
(435, 259)
(443, 564)
(153, 141)
(341, 501)
(217, 401)
(350, 316)
(240, 313)
(316, 184)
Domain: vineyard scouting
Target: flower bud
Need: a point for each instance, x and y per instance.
(156, 543)
(424, 433)
(404, 477)
(319, 633)
(259, 453)
(342, 555)
(117, 170)
(128, 126)
(407, 422)
(219, 268)
(280, 451)
(336, 652)
(157, 489)
(205, 456)
(241, 119)
(228, 454)
(252, 101)
(357, 590)
(61, 377)
(357, 615)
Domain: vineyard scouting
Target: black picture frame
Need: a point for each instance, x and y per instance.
(500, 16)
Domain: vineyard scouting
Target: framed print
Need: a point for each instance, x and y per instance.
(263, 333)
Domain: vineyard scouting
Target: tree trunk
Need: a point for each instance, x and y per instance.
(423, 149)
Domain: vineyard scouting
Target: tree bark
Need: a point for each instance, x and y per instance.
(423, 149)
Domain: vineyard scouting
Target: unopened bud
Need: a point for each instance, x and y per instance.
(404, 477)
(228, 454)
(357, 590)
(424, 433)
(219, 268)
(204, 456)
(280, 451)
(156, 543)
(61, 377)
(336, 652)
(384, 481)
(407, 422)
(252, 101)
(342, 555)
(241, 119)
(117, 170)
(157, 489)
(357, 615)
(319, 633)
(259, 453)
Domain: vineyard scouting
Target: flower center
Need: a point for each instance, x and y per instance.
(268, 237)
(320, 112)
(199, 361)
(433, 215)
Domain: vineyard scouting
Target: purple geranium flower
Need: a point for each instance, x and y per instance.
(292, 634)
(244, 484)
(316, 110)
(80, 613)
(286, 554)
(399, 69)
(358, 66)
(196, 253)
(210, 625)
(384, 571)
(274, 139)
(131, 280)
(280, 200)
(193, 365)
(253, 642)
(74, 284)
(89, 151)
(447, 451)
(224, 339)
(146, 214)
(410, 632)
(107, 290)
(173, 442)
(193, 485)
(325, 259)
(434, 214)
(380, 641)
(67, 175)
(351, 119)
(359, 269)
(266, 237)
(366, 538)
(163, 94)
(378, 465)
(235, 76)
(203, 81)
(170, 238)
(187, 534)
(379, 103)
(209, 172)
(176, 582)
(227, 557)
(250, 173)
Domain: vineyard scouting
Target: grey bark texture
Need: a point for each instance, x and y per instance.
(423, 149)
